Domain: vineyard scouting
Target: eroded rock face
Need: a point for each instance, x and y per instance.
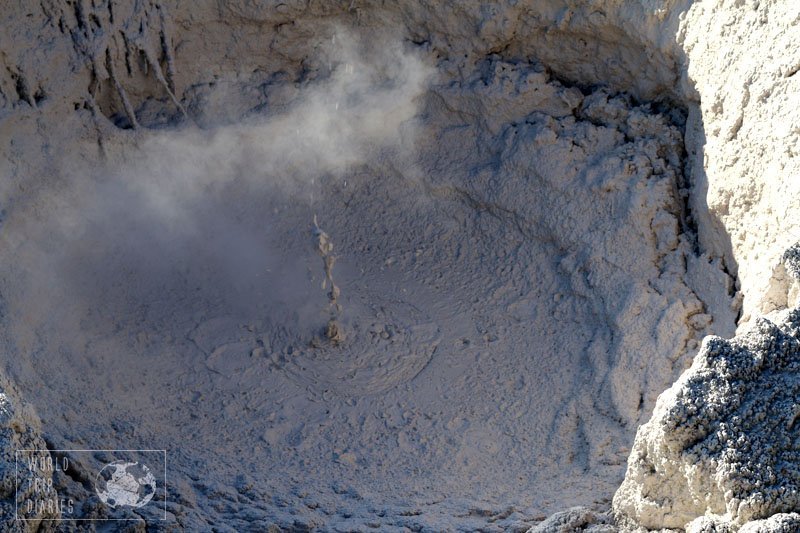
(779, 523)
(791, 260)
(724, 439)
(575, 519)
(24, 493)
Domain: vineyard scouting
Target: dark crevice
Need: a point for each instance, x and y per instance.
(21, 87)
(687, 218)
(39, 96)
(80, 21)
(60, 457)
(127, 47)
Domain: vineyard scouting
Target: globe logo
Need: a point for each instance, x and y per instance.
(125, 484)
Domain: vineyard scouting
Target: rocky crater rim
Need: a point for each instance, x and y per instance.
(137, 64)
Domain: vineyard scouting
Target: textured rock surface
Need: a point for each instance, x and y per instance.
(575, 519)
(19, 485)
(723, 440)
(778, 523)
(742, 59)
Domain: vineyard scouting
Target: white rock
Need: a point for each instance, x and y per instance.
(723, 440)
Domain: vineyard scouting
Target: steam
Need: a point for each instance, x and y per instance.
(197, 209)
(333, 125)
